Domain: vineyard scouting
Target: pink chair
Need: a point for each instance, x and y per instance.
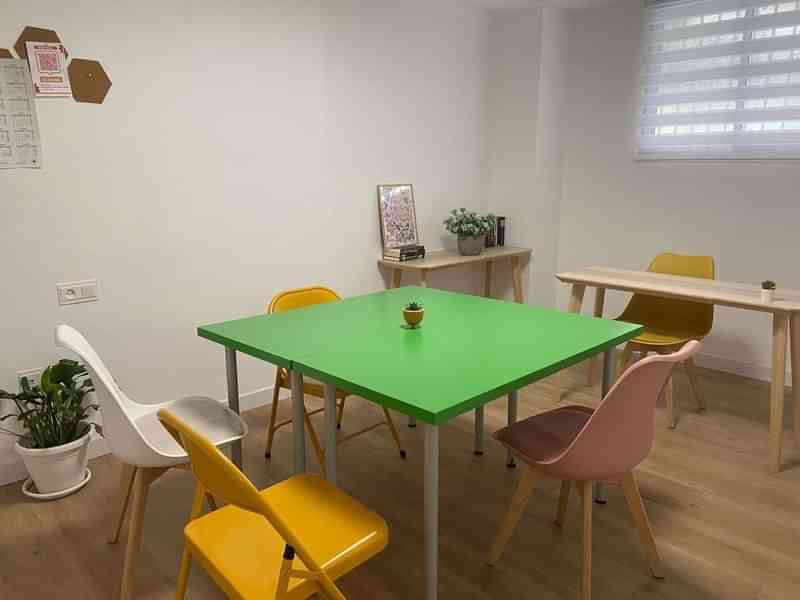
(584, 445)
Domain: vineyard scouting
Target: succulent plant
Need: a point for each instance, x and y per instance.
(414, 306)
(768, 285)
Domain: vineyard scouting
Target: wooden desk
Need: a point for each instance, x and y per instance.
(785, 311)
(446, 259)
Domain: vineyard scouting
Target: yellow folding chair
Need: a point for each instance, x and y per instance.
(289, 541)
(299, 298)
(670, 323)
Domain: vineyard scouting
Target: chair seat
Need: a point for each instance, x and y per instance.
(311, 387)
(659, 337)
(544, 437)
(243, 552)
(217, 422)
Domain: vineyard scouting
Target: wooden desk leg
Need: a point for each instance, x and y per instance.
(795, 332)
(516, 276)
(575, 304)
(397, 277)
(487, 280)
(780, 324)
(599, 303)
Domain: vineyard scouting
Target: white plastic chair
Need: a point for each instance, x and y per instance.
(136, 437)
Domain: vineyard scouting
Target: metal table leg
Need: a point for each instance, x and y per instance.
(479, 429)
(431, 512)
(298, 423)
(330, 432)
(600, 494)
(512, 418)
(233, 399)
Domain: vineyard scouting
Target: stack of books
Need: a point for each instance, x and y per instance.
(404, 253)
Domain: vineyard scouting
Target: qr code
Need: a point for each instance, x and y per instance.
(48, 61)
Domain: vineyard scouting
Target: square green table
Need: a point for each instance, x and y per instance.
(468, 352)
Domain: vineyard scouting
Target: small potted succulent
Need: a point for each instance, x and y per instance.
(768, 291)
(413, 314)
(54, 437)
(471, 229)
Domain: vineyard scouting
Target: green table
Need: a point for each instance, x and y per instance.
(469, 351)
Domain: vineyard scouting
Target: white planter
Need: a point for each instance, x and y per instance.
(767, 295)
(59, 468)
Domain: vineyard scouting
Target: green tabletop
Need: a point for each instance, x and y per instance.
(468, 351)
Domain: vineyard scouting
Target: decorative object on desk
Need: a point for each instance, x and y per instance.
(413, 313)
(398, 216)
(90, 83)
(501, 231)
(768, 291)
(54, 414)
(48, 64)
(34, 34)
(403, 254)
(491, 236)
(471, 229)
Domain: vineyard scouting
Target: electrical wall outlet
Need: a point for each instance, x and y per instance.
(34, 376)
(77, 291)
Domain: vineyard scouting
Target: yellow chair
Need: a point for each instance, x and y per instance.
(299, 298)
(286, 542)
(670, 323)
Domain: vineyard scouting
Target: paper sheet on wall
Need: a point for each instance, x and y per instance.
(20, 145)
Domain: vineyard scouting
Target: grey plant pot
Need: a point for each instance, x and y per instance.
(471, 245)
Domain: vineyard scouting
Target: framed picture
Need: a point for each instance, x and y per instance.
(48, 62)
(398, 215)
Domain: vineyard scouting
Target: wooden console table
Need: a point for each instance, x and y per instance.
(447, 259)
(785, 310)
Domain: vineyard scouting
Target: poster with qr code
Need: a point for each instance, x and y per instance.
(48, 64)
(20, 146)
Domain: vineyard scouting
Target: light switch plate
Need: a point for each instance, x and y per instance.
(76, 292)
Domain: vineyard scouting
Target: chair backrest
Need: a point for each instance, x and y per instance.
(300, 297)
(118, 411)
(668, 313)
(619, 435)
(220, 477)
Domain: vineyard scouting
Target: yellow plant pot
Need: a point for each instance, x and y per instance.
(413, 317)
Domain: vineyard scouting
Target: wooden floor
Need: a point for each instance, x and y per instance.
(726, 528)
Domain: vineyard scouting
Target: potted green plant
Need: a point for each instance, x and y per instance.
(54, 438)
(413, 313)
(471, 229)
(768, 291)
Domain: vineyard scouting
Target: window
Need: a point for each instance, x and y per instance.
(720, 79)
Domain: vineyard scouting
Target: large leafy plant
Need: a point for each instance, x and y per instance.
(463, 222)
(54, 412)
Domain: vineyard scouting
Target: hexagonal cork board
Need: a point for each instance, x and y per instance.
(88, 80)
(34, 34)
(5, 53)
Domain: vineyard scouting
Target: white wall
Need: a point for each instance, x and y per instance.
(236, 155)
(616, 211)
(524, 97)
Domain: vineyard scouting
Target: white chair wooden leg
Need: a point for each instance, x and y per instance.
(127, 476)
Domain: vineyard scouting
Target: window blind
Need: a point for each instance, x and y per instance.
(720, 79)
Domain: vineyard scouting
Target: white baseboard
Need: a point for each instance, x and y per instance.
(15, 470)
(728, 365)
